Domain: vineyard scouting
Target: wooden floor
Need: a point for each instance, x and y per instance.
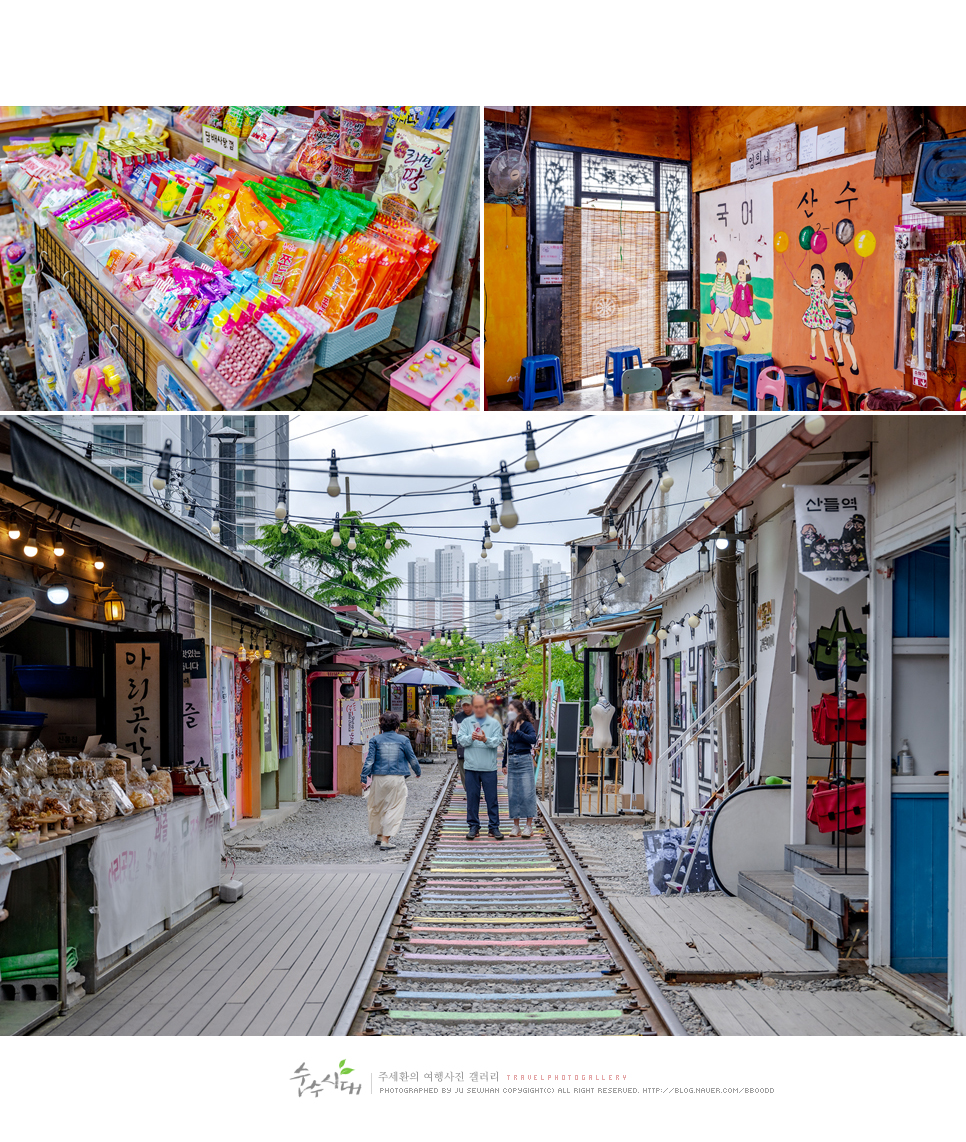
(773, 1011)
(713, 939)
(825, 856)
(281, 961)
(935, 982)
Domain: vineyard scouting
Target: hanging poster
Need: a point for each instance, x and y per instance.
(736, 265)
(350, 727)
(396, 700)
(232, 789)
(834, 288)
(831, 535)
(194, 703)
(217, 749)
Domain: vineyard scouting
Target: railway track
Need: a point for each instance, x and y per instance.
(501, 938)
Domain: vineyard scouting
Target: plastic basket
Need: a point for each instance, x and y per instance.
(357, 337)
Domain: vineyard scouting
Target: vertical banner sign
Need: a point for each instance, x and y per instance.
(351, 723)
(831, 535)
(138, 700)
(228, 735)
(285, 732)
(194, 704)
(217, 749)
(396, 700)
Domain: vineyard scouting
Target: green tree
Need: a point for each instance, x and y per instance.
(337, 575)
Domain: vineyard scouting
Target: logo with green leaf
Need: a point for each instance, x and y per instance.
(343, 1069)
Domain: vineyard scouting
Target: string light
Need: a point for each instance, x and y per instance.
(497, 613)
(377, 612)
(352, 536)
(57, 590)
(388, 543)
(281, 508)
(667, 480)
(159, 481)
(215, 526)
(30, 548)
(620, 575)
(58, 545)
(508, 513)
(611, 525)
(532, 463)
(573, 555)
(487, 542)
(333, 488)
(98, 559)
(814, 425)
(494, 522)
(476, 496)
(483, 551)
(13, 529)
(336, 533)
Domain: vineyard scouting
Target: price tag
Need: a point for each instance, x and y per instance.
(220, 799)
(220, 141)
(919, 378)
(209, 798)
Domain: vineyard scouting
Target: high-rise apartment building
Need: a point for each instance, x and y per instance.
(421, 593)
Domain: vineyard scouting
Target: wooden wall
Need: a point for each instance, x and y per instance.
(718, 134)
(661, 132)
(505, 300)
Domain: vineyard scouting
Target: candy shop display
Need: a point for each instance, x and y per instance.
(462, 394)
(413, 177)
(61, 346)
(428, 372)
(102, 385)
(274, 141)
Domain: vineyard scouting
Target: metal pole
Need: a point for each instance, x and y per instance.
(466, 257)
(464, 154)
(227, 439)
(727, 605)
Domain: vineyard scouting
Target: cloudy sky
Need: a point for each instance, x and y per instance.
(398, 485)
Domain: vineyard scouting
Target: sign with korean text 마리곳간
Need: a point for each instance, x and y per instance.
(138, 699)
(195, 706)
(830, 532)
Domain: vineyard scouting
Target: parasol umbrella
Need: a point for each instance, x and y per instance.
(459, 692)
(419, 677)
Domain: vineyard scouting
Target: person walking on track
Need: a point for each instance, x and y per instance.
(521, 785)
(459, 718)
(482, 739)
(387, 766)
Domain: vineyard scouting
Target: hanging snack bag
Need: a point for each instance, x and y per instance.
(414, 165)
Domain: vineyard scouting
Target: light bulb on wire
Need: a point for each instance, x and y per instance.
(611, 525)
(215, 527)
(620, 575)
(58, 545)
(573, 555)
(281, 508)
(494, 521)
(30, 548)
(497, 613)
(487, 542)
(333, 487)
(98, 559)
(532, 463)
(336, 534)
(388, 543)
(508, 513)
(352, 545)
(159, 481)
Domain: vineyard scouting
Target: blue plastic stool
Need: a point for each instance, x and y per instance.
(752, 364)
(623, 358)
(798, 378)
(717, 356)
(528, 379)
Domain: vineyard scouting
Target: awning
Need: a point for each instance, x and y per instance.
(53, 471)
(777, 462)
(634, 639)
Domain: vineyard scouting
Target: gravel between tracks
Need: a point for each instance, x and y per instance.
(334, 830)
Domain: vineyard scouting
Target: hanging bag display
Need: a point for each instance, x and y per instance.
(823, 652)
(836, 804)
(826, 718)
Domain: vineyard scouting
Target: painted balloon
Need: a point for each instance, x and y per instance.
(845, 231)
(864, 243)
(805, 237)
(781, 241)
(819, 242)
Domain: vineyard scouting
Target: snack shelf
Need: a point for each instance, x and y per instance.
(13, 126)
(105, 310)
(139, 208)
(181, 146)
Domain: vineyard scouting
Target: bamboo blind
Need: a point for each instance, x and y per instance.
(614, 287)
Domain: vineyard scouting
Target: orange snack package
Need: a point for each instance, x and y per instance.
(343, 280)
(240, 238)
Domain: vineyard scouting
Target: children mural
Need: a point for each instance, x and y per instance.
(736, 267)
(832, 241)
(800, 266)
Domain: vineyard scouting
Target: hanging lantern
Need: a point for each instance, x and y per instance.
(114, 610)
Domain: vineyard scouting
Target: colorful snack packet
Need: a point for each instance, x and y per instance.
(415, 163)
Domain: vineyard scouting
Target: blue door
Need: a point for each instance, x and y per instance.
(920, 881)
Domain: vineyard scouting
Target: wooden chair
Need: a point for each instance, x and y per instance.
(649, 380)
(771, 383)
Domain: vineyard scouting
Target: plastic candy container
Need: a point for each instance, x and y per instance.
(462, 394)
(427, 373)
(103, 385)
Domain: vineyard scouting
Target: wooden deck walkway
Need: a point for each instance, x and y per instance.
(281, 961)
(771, 1011)
(713, 939)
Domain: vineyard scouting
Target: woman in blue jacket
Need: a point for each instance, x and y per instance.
(521, 785)
(387, 766)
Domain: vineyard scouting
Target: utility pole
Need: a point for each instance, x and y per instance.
(227, 452)
(726, 589)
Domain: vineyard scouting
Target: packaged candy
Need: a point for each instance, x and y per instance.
(275, 140)
(240, 238)
(415, 165)
(313, 161)
(361, 131)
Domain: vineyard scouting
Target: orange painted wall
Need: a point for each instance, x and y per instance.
(505, 296)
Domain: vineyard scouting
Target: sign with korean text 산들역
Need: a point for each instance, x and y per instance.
(830, 533)
(138, 699)
(774, 152)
